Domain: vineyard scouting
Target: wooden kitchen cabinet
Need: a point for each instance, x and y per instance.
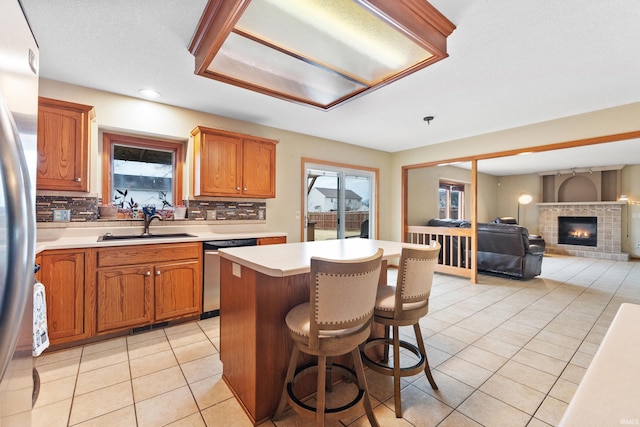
(63, 145)
(272, 240)
(63, 274)
(124, 296)
(172, 298)
(233, 164)
(145, 284)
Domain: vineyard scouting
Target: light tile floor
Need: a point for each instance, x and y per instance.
(503, 352)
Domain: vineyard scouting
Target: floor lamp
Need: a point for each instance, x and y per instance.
(523, 199)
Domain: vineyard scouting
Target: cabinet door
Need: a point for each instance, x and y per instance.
(258, 168)
(63, 145)
(63, 275)
(178, 289)
(221, 165)
(125, 297)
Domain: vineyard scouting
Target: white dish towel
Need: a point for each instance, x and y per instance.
(40, 331)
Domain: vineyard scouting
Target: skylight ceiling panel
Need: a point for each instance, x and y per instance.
(337, 34)
(246, 61)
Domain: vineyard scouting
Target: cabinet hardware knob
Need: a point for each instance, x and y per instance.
(78, 179)
(238, 188)
(148, 273)
(157, 272)
(245, 188)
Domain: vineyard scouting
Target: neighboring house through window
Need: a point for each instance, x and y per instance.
(139, 172)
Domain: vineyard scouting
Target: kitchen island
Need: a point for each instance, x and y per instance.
(259, 285)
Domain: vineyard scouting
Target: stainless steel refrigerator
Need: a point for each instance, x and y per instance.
(18, 157)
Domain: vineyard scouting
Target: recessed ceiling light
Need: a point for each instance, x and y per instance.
(150, 93)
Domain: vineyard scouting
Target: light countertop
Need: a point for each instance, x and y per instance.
(87, 237)
(294, 258)
(608, 393)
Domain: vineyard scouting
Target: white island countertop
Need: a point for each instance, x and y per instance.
(608, 394)
(294, 258)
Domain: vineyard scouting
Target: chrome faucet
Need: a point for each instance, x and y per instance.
(147, 223)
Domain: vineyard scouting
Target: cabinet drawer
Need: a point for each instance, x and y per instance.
(272, 240)
(138, 254)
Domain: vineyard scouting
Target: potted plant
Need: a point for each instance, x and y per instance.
(107, 211)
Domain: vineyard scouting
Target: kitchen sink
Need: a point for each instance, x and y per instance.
(109, 236)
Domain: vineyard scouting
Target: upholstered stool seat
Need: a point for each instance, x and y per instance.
(336, 321)
(404, 305)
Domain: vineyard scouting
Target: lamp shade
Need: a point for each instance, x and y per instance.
(525, 199)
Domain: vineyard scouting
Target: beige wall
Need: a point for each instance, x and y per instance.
(423, 193)
(605, 122)
(123, 114)
(631, 221)
(119, 113)
(509, 189)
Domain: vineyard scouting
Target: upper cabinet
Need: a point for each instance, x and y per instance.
(63, 145)
(233, 164)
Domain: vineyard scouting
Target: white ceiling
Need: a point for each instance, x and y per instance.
(511, 63)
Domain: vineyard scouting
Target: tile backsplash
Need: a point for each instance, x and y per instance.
(82, 209)
(85, 209)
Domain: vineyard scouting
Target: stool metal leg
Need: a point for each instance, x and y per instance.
(385, 357)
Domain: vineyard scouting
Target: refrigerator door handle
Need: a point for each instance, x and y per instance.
(20, 233)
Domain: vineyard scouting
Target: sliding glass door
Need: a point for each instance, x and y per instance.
(338, 202)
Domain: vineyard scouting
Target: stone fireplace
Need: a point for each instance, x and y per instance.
(607, 229)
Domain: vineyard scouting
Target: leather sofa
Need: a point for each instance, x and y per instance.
(534, 239)
(505, 249)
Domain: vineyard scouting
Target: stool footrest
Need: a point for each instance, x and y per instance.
(384, 369)
(299, 405)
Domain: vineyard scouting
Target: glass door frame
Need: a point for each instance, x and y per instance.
(342, 170)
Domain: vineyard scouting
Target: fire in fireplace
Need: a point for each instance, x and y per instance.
(578, 230)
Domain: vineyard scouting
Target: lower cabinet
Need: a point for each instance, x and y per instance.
(63, 274)
(172, 298)
(142, 285)
(125, 297)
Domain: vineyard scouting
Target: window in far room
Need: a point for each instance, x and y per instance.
(140, 172)
(451, 200)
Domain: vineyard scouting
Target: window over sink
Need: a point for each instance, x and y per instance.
(139, 172)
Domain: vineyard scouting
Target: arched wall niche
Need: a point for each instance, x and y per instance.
(578, 189)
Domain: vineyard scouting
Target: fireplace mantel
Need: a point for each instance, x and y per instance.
(609, 216)
(580, 203)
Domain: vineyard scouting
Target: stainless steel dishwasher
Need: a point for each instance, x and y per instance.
(211, 276)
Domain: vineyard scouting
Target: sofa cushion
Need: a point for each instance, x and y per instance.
(447, 222)
(505, 220)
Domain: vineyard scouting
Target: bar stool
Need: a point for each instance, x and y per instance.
(404, 305)
(335, 321)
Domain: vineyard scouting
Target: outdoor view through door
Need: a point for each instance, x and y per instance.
(339, 202)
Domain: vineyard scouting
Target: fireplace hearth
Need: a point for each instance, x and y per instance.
(578, 230)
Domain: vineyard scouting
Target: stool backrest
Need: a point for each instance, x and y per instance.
(343, 294)
(415, 277)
